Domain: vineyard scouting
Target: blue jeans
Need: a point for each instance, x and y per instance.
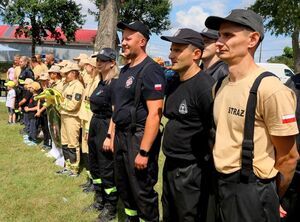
(33, 129)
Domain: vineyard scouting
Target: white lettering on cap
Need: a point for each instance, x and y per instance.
(177, 32)
(102, 51)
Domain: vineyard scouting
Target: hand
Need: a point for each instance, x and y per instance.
(141, 162)
(38, 114)
(20, 108)
(107, 145)
(282, 212)
(26, 109)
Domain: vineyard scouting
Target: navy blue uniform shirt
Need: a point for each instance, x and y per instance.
(101, 100)
(153, 85)
(188, 106)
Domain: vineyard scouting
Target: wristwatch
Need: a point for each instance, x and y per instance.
(144, 153)
(108, 136)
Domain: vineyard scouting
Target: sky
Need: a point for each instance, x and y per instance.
(192, 14)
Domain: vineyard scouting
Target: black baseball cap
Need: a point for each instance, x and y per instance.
(210, 33)
(186, 36)
(242, 17)
(106, 54)
(136, 26)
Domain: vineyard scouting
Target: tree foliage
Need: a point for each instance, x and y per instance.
(285, 58)
(38, 19)
(153, 13)
(282, 18)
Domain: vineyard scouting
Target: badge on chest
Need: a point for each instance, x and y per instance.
(183, 109)
(129, 82)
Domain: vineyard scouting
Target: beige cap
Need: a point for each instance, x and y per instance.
(44, 76)
(28, 81)
(63, 63)
(70, 67)
(35, 85)
(91, 61)
(81, 56)
(54, 68)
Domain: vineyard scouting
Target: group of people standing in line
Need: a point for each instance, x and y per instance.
(230, 137)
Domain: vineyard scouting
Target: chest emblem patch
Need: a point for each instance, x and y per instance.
(183, 107)
(129, 82)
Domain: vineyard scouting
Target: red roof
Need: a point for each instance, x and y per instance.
(81, 35)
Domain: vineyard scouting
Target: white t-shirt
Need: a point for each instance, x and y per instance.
(10, 99)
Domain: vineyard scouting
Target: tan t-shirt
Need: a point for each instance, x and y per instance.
(44, 67)
(37, 70)
(86, 113)
(17, 72)
(275, 115)
(72, 94)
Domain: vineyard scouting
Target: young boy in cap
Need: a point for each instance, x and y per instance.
(186, 137)
(31, 110)
(24, 97)
(10, 101)
(255, 146)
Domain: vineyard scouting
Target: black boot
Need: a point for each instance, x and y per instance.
(89, 188)
(132, 219)
(98, 204)
(108, 213)
(87, 183)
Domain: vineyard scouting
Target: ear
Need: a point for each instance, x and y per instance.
(253, 39)
(197, 54)
(143, 42)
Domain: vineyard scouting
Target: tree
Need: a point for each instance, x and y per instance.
(3, 5)
(154, 13)
(285, 58)
(282, 17)
(38, 19)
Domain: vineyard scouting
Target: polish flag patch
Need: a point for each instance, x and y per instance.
(157, 87)
(289, 118)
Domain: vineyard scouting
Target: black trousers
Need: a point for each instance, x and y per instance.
(101, 163)
(256, 201)
(45, 128)
(136, 186)
(184, 197)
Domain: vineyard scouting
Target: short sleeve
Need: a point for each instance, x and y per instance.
(279, 113)
(153, 83)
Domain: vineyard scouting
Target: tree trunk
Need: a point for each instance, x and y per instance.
(107, 25)
(33, 44)
(296, 50)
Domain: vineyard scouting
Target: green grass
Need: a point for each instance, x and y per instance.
(30, 190)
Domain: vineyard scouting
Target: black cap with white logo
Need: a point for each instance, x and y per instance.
(106, 54)
(242, 17)
(186, 36)
(136, 26)
(210, 33)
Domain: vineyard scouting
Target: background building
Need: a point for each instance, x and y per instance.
(84, 43)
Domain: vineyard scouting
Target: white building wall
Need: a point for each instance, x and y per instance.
(60, 51)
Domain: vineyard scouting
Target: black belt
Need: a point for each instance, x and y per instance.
(127, 127)
(102, 115)
(236, 178)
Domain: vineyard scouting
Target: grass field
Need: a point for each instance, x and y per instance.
(30, 190)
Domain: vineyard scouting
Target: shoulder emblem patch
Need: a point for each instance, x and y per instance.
(77, 97)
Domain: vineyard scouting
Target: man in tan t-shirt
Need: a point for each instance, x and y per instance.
(255, 198)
